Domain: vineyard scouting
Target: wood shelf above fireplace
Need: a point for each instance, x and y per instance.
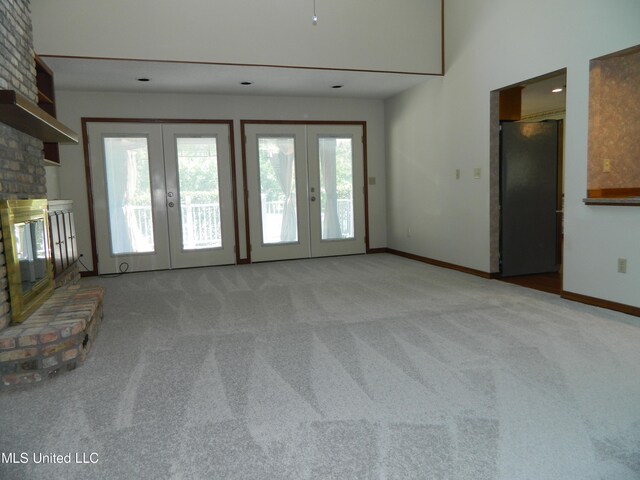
(24, 115)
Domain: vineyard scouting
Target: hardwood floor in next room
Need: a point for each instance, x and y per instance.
(545, 282)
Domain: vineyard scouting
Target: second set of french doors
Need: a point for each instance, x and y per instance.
(162, 195)
(305, 190)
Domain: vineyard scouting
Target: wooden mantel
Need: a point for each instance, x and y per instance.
(20, 113)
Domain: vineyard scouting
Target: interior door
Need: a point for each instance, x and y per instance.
(305, 190)
(529, 183)
(162, 195)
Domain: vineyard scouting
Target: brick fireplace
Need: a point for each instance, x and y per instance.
(22, 174)
(58, 335)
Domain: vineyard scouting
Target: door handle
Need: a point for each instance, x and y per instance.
(171, 204)
(169, 194)
(313, 198)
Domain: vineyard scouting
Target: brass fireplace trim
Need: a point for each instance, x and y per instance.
(18, 211)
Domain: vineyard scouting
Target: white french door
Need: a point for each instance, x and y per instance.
(306, 190)
(162, 195)
(336, 175)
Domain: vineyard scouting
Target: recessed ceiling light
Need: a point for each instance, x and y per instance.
(337, 86)
(557, 90)
(144, 79)
(246, 83)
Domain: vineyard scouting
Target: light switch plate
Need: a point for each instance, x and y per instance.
(477, 172)
(622, 265)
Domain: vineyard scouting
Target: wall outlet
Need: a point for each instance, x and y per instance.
(408, 232)
(622, 265)
(477, 172)
(372, 180)
(606, 166)
(457, 174)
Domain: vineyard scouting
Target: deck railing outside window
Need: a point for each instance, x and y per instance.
(201, 221)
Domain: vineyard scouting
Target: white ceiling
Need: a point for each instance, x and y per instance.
(537, 95)
(121, 75)
(174, 77)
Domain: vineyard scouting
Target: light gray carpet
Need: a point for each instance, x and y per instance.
(366, 367)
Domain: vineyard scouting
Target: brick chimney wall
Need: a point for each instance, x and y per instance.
(22, 174)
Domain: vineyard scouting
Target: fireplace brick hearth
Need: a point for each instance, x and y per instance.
(56, 338)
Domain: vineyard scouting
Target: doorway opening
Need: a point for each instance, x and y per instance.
(527, 145)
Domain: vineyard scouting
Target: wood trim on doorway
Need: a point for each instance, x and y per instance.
(243, 139)
(87, 168)
(92, 221)
(560, 197)
(442, 36)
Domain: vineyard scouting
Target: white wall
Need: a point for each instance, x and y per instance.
(443, 124)
(53, 182)
(403, 35)
(72, 106)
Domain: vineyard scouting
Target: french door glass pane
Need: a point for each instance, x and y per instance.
(278, 190)
(129, 194)
(199, 192)
(336, 188)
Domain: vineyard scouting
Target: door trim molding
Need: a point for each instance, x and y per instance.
(87, 169)
(245, 196)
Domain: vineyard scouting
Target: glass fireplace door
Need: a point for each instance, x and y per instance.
(27, 252)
